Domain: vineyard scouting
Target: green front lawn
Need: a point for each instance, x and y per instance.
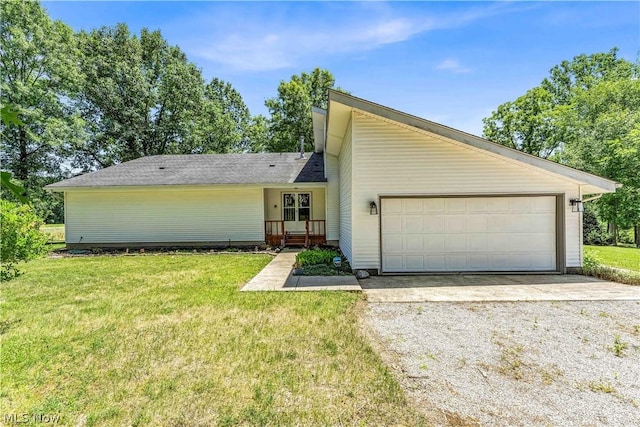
(615, 256)
(169, 340)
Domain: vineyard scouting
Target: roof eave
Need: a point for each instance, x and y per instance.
(603, 185)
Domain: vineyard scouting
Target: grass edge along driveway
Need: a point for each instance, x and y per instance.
(616, 256)
(169, 340)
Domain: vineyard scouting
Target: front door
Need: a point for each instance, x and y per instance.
(296, 210)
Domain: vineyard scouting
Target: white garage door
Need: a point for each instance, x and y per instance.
(468, 234)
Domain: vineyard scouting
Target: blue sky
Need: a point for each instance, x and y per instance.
(450, 62)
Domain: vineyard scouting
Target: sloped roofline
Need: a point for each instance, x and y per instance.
(603, 184)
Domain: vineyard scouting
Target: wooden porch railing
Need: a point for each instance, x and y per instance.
(274, 233)
(314, 234)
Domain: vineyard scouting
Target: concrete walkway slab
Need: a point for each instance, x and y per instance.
(276, 276)
(489, 287)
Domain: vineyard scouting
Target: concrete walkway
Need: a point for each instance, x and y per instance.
(479, 287)
(276, 276)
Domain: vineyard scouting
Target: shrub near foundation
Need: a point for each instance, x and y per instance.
(319, 262)
(316, 256)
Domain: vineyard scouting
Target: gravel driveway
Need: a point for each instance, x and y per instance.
(518, 364)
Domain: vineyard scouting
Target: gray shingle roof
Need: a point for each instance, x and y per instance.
(202, 169)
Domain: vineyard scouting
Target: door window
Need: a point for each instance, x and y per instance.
(296, 206)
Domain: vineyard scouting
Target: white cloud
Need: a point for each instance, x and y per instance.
(269, 38)
(453, 65)
(270, 49)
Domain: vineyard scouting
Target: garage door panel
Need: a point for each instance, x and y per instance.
(477, 223)
(455, 243)
(394, 262)
(413, 224)
(518, 223)
(435, 263)
(454, 224)
(414, 243)
(433, 223)
(477, 242)
(469, 234)
(498, 205)
(412, 206)
(477, 205)
(455, 205)
(391, 206)
(543, 204)
(496, 222)
(519, 205)
(477, 262)
(435, 243)
(433, 205)
(543, 223)
(392, 224)
(456, 262)
(393, 244)
(415, 262)
(497, 242)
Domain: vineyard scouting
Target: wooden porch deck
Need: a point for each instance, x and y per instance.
(314, 234)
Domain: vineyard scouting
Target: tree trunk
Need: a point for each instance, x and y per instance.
(636, 235)
(22, 168)
(613, 230)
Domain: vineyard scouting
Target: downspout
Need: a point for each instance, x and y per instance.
(596, 197)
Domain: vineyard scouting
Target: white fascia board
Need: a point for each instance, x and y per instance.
(189, 187)
(319, 120)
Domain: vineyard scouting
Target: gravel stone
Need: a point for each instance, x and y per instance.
(517, 364)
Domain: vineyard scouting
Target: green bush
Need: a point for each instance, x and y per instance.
(21, 238)
(592, 266)
(598, 238)
(316, 256)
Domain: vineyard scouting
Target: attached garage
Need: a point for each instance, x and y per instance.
(514, 233)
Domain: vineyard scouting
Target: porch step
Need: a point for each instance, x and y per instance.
(294, 240)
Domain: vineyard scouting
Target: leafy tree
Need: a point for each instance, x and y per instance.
(21, 237)
(38, 77)
(139, 96)
(257, 134)
(535, 122)
(605, 140)
(585, 71)
(527, 124)
(291, 109)
(225, 120)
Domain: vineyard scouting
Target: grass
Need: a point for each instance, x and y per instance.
(55, 232)
(616, 257)
(613, 263)
(169, 340)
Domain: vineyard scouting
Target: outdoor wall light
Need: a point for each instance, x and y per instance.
(576, 205)
(373, 208)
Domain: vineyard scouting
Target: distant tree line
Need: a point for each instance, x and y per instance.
(92, 99)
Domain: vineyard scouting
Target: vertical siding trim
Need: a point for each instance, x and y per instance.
(345, 173)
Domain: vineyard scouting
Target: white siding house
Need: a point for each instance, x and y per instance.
(397, 193)
(448, 201)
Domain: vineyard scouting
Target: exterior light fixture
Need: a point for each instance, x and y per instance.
(373, 208)
(576, 205)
